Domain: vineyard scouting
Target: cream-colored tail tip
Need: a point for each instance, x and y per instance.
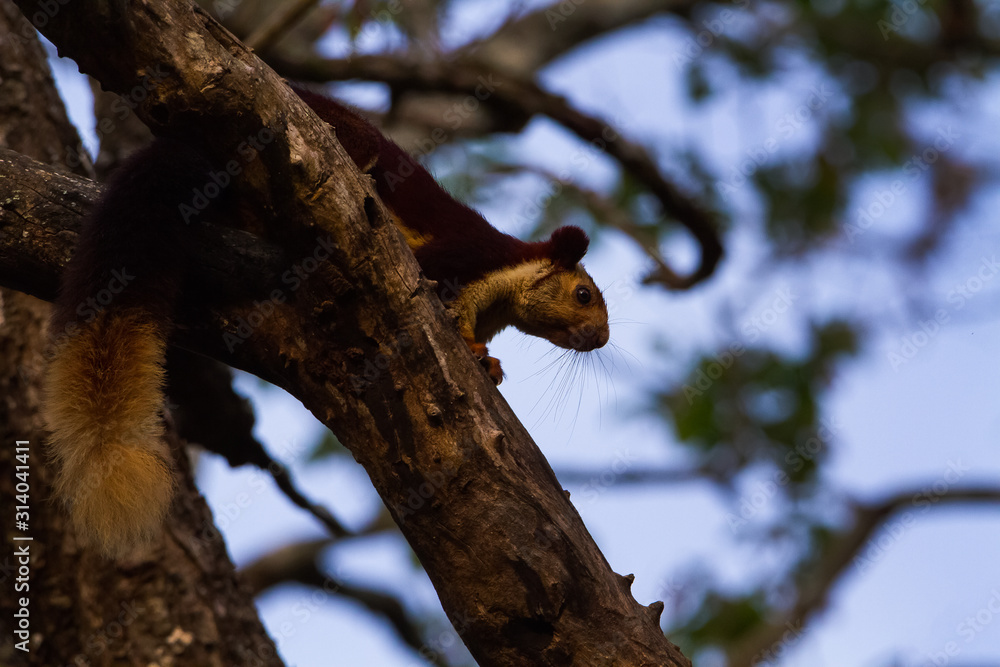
(120, 503)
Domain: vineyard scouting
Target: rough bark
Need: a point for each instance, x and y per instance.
(178, 603)
(371, 352)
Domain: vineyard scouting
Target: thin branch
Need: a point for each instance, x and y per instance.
(570, 476)
(207, 411)
(606, 212)
(299, 563)
(527, 43)
(281, 20)
(813, 593)
(282, 477)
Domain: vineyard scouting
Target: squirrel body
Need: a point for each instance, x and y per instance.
(104, 383)
(459, 249)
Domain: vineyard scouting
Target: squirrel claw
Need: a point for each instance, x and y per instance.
(491, 364)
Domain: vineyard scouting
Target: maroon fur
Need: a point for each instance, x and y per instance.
(133, 247)
(465, 247)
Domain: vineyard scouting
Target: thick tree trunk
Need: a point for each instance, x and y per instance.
(369, 349)
(182, 602)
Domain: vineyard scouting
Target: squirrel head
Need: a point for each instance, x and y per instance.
(562, 304)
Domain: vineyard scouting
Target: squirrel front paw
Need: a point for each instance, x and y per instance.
(491, 364)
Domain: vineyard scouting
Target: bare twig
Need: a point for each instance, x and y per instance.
(278, 23)
(526, 43)
(298, 563)
(815, 585)
(605, 211)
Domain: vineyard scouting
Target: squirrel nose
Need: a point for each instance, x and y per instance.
(602, 337)
(588, 338)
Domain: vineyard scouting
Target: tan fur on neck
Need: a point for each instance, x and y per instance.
(103, 401)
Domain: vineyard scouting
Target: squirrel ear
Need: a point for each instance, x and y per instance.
(567, 246)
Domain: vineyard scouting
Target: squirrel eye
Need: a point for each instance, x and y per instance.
(583, 295)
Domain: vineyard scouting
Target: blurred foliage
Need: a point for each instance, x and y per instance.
(720, 620)
(745, 405)
(756, 412)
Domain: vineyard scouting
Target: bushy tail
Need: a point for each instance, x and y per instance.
(103, 401)
(103, 393)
